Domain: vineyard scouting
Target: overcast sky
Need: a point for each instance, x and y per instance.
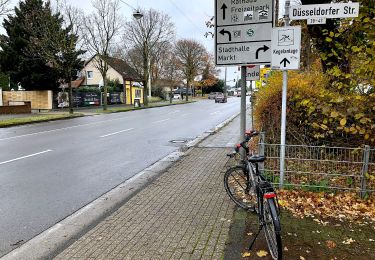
(189, 16)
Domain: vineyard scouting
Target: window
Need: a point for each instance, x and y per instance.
(90, 74)
(137, 93)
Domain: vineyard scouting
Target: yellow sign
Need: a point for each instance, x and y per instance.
(264, 74)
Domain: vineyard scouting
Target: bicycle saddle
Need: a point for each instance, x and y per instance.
(257, 159)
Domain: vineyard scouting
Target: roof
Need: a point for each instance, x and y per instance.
(124, 69)
(119, 65)
(78, 82)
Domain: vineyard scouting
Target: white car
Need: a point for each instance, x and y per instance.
(177, 96)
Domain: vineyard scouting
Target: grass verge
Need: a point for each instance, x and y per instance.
(35, 119)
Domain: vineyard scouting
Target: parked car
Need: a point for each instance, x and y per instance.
(176, 96)
(220, 98)
(212, 95)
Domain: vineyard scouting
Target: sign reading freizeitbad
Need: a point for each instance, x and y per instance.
(252, 72)
(243, 32)
(339, 10)
(286, 48)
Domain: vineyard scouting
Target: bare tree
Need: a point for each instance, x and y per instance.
(190, 55)
(146, 34)
(100, 29)
(4, 7)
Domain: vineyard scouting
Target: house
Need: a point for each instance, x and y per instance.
(118, 70)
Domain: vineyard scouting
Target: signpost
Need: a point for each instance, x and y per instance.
(243, 36)
(243, 32)
(338, 10)
(286, 48)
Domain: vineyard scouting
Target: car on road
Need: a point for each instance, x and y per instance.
(212, 95)
(220, 98)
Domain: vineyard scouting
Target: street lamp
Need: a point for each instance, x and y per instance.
(136, 13)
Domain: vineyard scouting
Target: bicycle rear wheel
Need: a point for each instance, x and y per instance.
(272, 228)
(239, 188)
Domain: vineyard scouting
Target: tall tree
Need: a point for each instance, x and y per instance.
(147, 34)
(58, 45)
(190, 55)
(99, 31)
(32, 70)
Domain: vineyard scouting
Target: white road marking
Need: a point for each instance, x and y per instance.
(24, 157)
(161, 121)
(186, 114)
(126, 130)
(174, 112)
(215, 113)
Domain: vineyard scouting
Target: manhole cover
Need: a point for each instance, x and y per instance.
(178, 141)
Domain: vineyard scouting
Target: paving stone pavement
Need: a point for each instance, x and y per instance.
(183, 214)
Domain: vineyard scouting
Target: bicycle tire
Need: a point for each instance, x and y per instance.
(272, 228)
(235, 183)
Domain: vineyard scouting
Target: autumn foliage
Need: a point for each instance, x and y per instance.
(316, 113)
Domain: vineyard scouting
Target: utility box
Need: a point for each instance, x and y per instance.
(137, 102)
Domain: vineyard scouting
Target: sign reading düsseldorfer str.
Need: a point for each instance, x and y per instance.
(286, 48)
(338, 10)
(243, 30)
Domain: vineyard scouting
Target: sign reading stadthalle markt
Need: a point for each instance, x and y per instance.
(243, 32)
(338, 10)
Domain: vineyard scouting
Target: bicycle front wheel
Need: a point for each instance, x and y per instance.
(239, 188)
(272, 228)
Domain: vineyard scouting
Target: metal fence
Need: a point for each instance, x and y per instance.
(321, 168)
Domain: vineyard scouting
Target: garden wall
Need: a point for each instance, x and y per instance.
(39, 99)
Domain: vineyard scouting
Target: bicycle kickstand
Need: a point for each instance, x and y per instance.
(256, 236)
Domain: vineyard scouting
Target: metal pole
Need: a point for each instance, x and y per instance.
(252, 102)
(225, 83)
(366, 159)
(283, 109)
(243, 107)
(149, 78)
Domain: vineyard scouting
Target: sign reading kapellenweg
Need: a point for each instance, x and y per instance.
(339, 10)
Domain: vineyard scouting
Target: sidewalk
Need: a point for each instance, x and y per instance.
(183, 214)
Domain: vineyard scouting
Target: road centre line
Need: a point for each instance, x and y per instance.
(215, 113)
(174, 112)
(58, 129)
(161, 121)
(24, 157)
(115, 133)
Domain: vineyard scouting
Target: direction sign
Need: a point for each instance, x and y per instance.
(286, 48)
(339, 10)
(252, 72)
(243, 32)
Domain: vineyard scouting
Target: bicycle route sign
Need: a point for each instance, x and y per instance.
(286, 48)
(243, 30)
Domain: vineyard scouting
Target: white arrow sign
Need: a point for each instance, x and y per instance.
(243, 31)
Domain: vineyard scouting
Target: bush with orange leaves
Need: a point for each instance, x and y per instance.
(316, 113)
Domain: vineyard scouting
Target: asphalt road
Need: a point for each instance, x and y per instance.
(50, 170)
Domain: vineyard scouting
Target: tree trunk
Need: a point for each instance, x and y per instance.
(105, 107)
(70, 96)
(146, 72)
(187, 90)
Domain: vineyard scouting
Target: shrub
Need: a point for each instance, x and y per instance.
(316, 114)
